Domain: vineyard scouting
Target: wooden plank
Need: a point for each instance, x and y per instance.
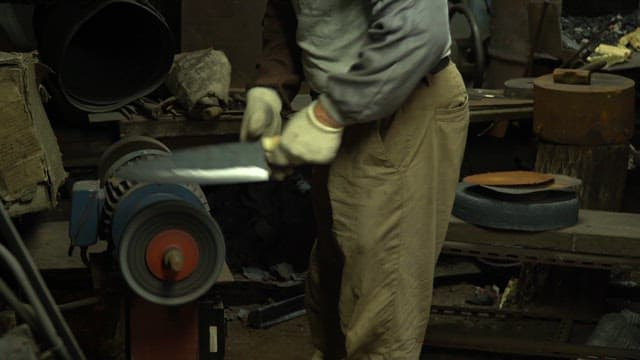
(172, 126)
(231, 125)
(498, 102)
(48, 243)
(490, 115)
(598, 232)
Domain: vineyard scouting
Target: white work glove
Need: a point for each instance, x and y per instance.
(262, 114)
(306, 140)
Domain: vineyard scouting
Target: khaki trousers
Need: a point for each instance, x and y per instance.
(383, 209)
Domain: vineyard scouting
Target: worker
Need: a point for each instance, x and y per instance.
(390, 119)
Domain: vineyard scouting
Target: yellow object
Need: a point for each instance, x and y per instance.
(632, 38)
(618, 51)
(611, 54)
(509, 292)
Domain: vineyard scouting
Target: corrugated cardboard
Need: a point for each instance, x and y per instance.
(31, 170)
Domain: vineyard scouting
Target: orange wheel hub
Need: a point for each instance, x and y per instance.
(172, 255)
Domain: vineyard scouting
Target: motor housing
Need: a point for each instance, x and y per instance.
(169, 248)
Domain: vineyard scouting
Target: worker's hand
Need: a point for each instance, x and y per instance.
(262, 114)
(311, 136)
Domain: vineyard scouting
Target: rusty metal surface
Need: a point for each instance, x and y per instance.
(598, 114)
(560, 183)
(160, 332)
(509, 178)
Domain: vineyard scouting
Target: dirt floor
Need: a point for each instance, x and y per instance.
(288, 341)
(291, 341)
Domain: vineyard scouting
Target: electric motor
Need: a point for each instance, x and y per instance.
(169, 248)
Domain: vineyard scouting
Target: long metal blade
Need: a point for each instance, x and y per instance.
(230, 163)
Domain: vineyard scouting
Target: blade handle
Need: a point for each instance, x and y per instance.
(270, 143)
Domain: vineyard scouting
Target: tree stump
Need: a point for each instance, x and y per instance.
(603, 170)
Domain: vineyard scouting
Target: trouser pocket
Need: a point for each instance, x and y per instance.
(452, 124)
(451, 128)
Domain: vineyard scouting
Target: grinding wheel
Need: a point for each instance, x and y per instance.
(171, 253)
(525, 212)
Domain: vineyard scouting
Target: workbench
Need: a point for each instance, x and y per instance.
(601, 240)
(484, 106)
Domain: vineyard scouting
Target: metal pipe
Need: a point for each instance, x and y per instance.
(14, 242)
(45, 321)
(73, 305)
(24, 311)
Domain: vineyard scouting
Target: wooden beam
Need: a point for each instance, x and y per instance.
(598, 232)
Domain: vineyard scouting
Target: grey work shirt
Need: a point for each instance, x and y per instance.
(366, 56)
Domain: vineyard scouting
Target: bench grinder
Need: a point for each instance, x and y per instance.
(169, 248)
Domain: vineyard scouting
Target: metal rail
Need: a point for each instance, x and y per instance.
(558, 348)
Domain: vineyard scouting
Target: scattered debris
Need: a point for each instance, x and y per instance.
(580, 30)
(286, 272)
(486, 296)
(256, 274)
(243, 314)
(510, 293)
(617, 330)
(277, 313)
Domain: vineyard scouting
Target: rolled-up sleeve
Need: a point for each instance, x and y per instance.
(405, 39)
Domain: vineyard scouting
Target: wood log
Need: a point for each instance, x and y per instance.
(603, 170)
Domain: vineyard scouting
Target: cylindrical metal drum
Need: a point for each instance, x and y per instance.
(601, 113)
(105, 53)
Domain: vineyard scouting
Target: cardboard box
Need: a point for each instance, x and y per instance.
(31, 170)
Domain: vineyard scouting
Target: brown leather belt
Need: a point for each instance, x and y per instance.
(441, 65)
